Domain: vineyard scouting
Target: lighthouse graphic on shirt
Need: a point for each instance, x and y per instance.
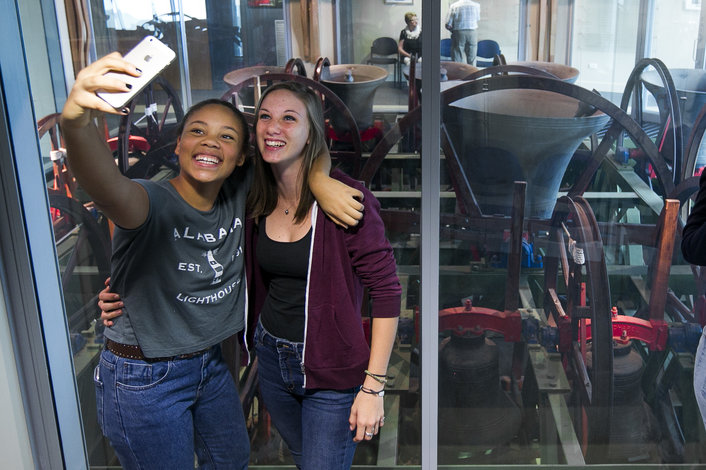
(219, 259)
(216, 266)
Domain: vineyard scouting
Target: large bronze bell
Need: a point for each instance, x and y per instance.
(355, 85)
(475, 414)
(512, 135)
(633, 428)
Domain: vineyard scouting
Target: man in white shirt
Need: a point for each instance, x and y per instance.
(462, 21)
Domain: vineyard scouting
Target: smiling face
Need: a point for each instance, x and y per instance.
(282, 128)
(210, 146)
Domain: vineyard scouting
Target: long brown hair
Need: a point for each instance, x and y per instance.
(263, 195)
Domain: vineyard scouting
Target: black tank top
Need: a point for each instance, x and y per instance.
(284, 266)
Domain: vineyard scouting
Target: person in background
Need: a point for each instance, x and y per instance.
(410, 38)
(320, 380)
(693, 248)
(462, 20)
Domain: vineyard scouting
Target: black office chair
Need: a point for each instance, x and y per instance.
(380, 53)
(487, 49)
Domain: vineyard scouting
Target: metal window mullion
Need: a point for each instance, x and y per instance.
(287, 17)
(523, 31)
(52, 37)
(701, 39)
(184, 53)
(570, 12)
(23, 317)
(429, 265)
(644, 30)
(65, 46)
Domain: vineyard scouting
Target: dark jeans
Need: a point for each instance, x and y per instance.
(313, 423)
(158, 414)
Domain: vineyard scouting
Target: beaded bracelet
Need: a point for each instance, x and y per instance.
(379, 378)
(370, 391)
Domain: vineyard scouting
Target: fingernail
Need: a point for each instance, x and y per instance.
(128, 86)
(138, 70)
(125, 111)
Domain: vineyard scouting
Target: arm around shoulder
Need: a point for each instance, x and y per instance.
(341, 203)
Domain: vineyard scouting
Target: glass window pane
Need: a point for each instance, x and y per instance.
(604, 44)
(482, 142)
(676, 51)
(530, 368)
(499, 21)
(680, 58)
(572, 266)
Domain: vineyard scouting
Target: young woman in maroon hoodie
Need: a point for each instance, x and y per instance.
(321, 382)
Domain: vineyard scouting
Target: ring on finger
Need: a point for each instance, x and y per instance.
(368, 434)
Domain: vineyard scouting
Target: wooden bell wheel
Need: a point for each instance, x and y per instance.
(668, 138)
(577, 289)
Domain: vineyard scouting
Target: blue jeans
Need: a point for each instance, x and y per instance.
(700, 376)
(158, 414)
(313, 423)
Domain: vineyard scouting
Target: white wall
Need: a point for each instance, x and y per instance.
(15, 452)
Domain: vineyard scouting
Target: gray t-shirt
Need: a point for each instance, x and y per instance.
(181, 273)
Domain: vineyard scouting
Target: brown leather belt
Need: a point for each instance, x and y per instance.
(133, 351)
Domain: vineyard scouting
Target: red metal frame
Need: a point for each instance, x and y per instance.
(136, 142)
(476, 320)
(625, 328)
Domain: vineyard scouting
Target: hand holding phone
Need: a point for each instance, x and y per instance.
(151, 57)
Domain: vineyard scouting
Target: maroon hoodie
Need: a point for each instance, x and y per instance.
(341, 263)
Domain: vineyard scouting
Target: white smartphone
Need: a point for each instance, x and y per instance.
(151, 56)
